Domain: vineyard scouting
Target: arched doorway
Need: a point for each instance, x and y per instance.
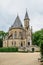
(28, 43)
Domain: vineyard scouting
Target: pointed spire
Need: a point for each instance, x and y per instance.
(26, 15)
(17, 17)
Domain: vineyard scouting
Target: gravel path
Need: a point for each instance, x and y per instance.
(19, 58)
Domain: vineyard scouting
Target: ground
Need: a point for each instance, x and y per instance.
(19, 58)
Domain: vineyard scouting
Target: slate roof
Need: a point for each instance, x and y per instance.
(26, 16)
(17, 23)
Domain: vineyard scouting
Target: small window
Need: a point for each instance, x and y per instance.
(28, 43)
(32, 49)
(15, 34)
(21, 25)
(14, 43)
(27, 28)
(21, 44)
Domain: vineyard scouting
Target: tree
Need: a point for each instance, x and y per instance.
(2, 34)
(1, 41)
(37, 37)
(41, 50)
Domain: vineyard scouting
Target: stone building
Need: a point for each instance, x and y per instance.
(18, 35)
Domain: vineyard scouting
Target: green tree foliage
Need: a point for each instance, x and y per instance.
(2, 34)
(37, 37)
(41, 48)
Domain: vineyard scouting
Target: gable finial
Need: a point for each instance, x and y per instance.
(26, 9)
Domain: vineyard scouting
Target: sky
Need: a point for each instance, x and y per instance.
(10, 8)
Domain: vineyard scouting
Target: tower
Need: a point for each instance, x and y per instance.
(26, 21)
(28, 30)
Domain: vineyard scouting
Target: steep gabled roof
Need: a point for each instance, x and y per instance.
(17, 23)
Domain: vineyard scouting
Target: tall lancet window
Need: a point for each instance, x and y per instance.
(20, 35)
(15, 34)
(14, 43)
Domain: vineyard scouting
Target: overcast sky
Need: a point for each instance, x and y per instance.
(10, 8)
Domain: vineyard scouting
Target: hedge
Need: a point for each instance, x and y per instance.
(9, 49)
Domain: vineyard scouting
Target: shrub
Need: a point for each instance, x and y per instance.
(41, 49)
(9, 49)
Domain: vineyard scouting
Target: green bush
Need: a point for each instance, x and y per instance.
(9, 49)
(41, 49)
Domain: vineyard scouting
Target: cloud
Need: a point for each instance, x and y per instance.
(37, 21)
(10, 8)
(6, 20)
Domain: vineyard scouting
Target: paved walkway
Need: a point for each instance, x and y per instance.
(19, 58)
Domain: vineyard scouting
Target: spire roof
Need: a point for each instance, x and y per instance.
(17, 23)
(26, 15)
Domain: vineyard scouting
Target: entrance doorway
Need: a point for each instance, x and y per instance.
(28, 43)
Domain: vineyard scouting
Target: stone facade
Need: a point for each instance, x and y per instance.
(19, 36)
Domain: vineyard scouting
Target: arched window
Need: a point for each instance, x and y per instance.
(15, 34)
(21, 44)
(14, 43)
(20, 35)
(28, 43)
